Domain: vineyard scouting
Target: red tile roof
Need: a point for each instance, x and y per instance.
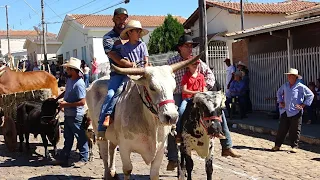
(22, 33)
(106, 20)
(285, 7)
(270, 8)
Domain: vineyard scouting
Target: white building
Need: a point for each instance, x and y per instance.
(34, 48)
(224, 17)
(81, 35)
(17, 40)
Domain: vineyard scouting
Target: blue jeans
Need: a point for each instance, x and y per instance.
(72, 128)
(115, 87)
(95, 77)
(181, 110)
(172, 146)
(86, 79)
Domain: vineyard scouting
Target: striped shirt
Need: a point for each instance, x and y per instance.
(203, 68)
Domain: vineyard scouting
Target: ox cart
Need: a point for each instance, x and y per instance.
(9, 103)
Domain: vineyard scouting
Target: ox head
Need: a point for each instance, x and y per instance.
(160, 83)
(49, 110)
(209, 105)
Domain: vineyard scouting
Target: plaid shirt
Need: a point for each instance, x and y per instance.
(203, 68)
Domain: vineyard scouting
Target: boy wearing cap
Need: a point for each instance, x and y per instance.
(292, 97)
(112, 47)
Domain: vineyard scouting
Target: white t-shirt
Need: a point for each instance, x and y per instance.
(229, 70)
(86, 70)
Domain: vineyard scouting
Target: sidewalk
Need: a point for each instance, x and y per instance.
(262, 123)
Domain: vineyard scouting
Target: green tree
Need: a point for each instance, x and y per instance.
(164, 38)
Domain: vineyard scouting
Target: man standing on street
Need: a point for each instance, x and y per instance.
(184, 48)
(73, 104)
(292, 97)
(230, 70)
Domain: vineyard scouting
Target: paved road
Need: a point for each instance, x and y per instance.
(257, 163)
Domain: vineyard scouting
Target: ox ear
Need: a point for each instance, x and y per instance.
(2, 72)
(140, 81)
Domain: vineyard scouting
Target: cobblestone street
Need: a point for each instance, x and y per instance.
(257, 163)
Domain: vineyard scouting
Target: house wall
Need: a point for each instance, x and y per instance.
(16, 45)
(222, 20)
(75, 39)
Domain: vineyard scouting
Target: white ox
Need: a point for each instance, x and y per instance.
(135, 127)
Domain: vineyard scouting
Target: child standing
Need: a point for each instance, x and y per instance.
(134, 50)
(192, 82)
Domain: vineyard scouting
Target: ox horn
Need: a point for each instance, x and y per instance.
(183, 64)
(128, 71)
(1, 72)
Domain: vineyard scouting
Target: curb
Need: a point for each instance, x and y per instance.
(262, 130)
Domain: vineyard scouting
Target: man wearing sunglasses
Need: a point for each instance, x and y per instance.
(184, 48)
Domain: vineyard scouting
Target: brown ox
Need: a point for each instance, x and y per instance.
(13, 82)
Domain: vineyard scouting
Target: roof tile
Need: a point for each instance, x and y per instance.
(23, 33)
(106, 20)
(270, 8)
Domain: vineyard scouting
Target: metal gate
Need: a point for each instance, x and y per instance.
(266, 72)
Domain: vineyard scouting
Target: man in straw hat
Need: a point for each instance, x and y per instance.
(184, 47)
(112, 47)
(292, 97)
(73, 104)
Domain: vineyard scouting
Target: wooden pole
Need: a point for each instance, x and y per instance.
(241, 12)
(44, 35)
(203, 29)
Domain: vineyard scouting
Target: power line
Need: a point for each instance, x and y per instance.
(73, 9)
(62, 19)
(57, 22)
(31, 8)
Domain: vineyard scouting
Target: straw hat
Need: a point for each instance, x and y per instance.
(294, 72)
(74, 63)
(133, 24)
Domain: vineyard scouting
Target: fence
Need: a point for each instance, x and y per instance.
(267, 70)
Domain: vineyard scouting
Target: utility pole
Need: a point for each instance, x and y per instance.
(8, 37)
(241, 12)
(44, 35)
(203, 29)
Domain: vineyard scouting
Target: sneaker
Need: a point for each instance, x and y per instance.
(172, 165)
(275, 148)
(294, 150)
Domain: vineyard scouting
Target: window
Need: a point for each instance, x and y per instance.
(84, 53)
(67, 56)
(75, 54)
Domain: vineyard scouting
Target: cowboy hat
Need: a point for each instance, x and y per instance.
(186, 39)
(240, 63)
(294, 72)
(73, 63)
(133, 24)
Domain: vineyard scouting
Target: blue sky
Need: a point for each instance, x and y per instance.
(22, 17)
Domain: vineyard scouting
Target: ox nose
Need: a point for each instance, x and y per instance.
(171, 119)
